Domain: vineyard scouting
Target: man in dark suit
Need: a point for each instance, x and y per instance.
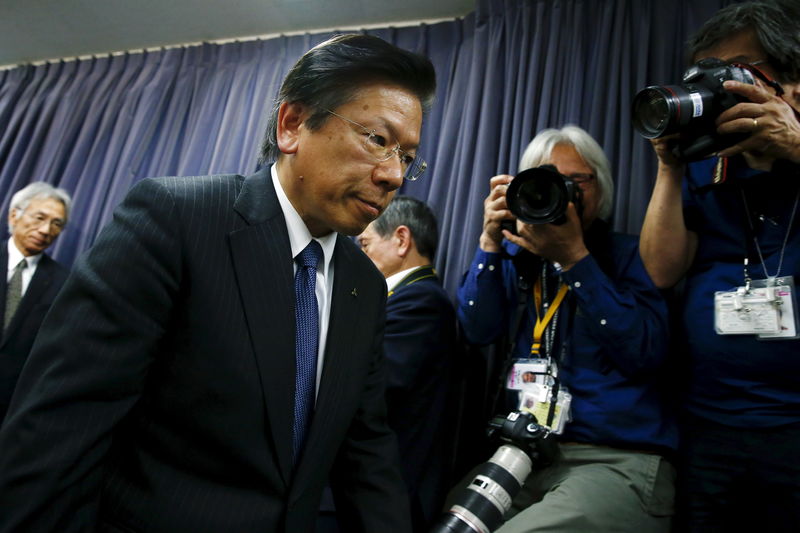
(36, 216)
(192, 377)
(420, 346)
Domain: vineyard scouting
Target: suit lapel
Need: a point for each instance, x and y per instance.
(262, 260)
(3, 283)
(41, 279)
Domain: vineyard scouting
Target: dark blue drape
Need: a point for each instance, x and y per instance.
(506, 71)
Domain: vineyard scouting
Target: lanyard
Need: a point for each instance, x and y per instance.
(542, 322)
(752, 232)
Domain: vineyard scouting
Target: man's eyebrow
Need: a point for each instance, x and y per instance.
(393, 132)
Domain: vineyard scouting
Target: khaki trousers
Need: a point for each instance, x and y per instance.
(596, 489)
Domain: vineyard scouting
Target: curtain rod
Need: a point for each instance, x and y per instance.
(263, 37)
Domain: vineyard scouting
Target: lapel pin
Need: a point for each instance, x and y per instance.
(354, 293)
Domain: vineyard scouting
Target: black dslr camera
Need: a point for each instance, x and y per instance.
(540, 195)
(691, 108)
(482, 505)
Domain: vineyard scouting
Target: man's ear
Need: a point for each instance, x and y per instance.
(290, 119)
(12, 216)
(405, 240)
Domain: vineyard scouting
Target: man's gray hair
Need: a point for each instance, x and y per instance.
(414, 214)
(541, 147)
(39, 190)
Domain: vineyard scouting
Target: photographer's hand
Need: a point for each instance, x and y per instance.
(774, 130)
(561, 243)
(668, 165)
(495, 211)
(667, 248)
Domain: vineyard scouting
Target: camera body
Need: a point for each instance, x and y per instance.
(541, 195)
(691, 108)
(481, 506)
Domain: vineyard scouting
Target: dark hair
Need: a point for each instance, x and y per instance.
(418, 217)
(331, 73)
(776, 24)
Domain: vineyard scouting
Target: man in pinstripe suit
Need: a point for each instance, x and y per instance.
(160, 394)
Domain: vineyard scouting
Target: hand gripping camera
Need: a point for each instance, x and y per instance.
(691, 108)
(482, 505)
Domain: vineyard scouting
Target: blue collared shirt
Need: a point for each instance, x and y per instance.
(738, 380)
(611, 339)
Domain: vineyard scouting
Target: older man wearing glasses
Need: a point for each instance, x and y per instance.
(576, 307)
(217, 356)
(36, 217)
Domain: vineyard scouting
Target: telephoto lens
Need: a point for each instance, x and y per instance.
(481, 506)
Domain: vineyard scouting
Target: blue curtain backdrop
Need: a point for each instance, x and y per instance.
(506, 71)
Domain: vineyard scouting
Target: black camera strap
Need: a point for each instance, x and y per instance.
(523, 296)
(751, 237)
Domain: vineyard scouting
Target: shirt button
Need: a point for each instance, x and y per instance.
(491, 267)
(577, 284)
(603, 322)
(480, 266)
(472, 302)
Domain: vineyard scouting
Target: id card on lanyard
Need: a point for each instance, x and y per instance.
(536, 378)
(763, 307)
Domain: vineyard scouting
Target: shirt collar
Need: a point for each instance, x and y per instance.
(394, 279)
(299, 236)
(15, 256)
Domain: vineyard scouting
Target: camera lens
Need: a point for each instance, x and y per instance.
(537, 198)
(652, 112)
(538, 195)
(663, 109)
(482, 506)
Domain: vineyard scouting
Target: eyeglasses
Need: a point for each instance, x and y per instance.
(580, 177)
(413, 166)
(37, 218)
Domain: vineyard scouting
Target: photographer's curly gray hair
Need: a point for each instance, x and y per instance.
(41, 190)
(541, 147)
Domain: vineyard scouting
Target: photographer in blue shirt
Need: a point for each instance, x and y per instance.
(728, 226)
(575, 298)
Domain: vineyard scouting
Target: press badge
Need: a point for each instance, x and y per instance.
(766, 308)
(784, 293)
(537, 399)
(745, 312)
(527, 372)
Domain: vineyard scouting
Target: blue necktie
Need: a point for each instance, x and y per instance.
(307, 342)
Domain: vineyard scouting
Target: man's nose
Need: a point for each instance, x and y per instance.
(46, 228)
(389, 173)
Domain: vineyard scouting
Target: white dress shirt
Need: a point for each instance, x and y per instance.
(397, 277)
(14, 257)
(299, 237)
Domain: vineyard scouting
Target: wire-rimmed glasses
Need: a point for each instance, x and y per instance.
(413, 166)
